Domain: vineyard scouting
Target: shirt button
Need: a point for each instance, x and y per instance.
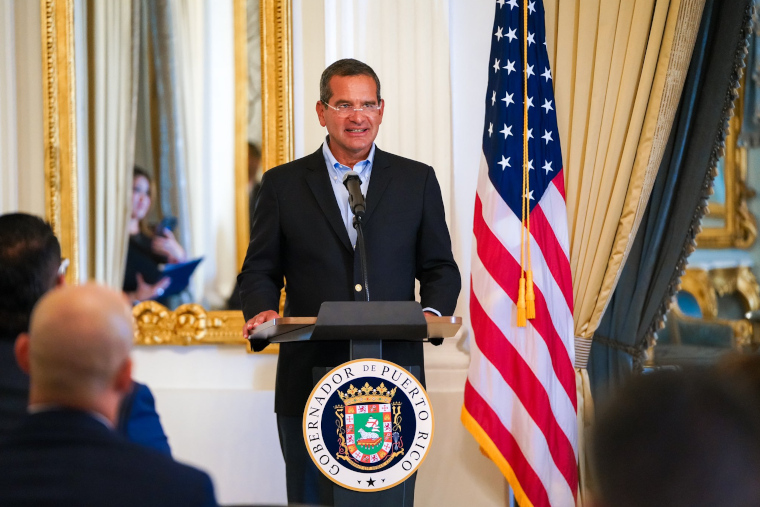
(358, 287)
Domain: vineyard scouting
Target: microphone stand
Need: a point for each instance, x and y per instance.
(358, 222)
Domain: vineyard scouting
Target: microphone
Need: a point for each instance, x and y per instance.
(355, 198)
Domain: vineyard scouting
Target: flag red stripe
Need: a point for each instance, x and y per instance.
(505, 270)
(531, 392)
(489, 421)
(559, 183)
(555, 258)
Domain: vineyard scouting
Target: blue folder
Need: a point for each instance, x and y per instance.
(179, 273)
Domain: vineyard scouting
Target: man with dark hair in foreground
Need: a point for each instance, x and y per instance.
(678, 439)
(65, 452)
(30, 258)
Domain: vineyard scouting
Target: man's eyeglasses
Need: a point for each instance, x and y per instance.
(345, 110)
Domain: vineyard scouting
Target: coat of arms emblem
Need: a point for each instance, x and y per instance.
(368, 424)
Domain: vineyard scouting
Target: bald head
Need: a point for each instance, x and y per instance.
(78, 347)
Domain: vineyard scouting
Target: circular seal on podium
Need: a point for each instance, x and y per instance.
(368, 425)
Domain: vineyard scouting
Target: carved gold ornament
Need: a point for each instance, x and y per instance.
(189, 324)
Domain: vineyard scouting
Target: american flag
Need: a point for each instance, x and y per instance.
(519, 400)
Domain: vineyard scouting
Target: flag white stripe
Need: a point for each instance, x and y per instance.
(555, 210)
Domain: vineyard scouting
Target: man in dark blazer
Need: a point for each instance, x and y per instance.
(66, 452)
(30, 266)
(302, 233)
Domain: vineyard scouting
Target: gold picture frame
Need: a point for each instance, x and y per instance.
(59, 127)
(740, 227)
(156, 325)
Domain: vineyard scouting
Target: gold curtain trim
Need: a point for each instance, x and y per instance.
(582, 350)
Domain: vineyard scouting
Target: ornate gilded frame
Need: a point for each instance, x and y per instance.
(59, 125)
(740, 229)
(189, 324)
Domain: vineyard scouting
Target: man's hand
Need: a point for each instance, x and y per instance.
(259, 319)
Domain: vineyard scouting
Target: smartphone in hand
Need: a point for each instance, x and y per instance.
(166, 223)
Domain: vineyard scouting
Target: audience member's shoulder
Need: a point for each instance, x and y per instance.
(189, 482)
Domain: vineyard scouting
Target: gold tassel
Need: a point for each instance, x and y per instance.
(530, 296)
(521, 321)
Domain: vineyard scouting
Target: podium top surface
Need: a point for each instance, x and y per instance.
(437, 327)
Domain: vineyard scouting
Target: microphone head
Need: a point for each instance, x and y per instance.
(350, 175)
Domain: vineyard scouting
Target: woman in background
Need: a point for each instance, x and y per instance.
(147, 249)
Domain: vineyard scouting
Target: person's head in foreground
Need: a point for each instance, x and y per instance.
(671, 438)
(77, 349)
(30, 265)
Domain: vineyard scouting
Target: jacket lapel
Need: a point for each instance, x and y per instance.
(378, 182)
(319, 182)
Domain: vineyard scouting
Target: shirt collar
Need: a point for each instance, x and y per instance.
(38, 408)
(333, 163)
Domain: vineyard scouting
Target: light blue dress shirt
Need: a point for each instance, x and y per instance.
(336, 170)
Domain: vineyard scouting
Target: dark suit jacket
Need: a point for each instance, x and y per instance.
(68, 458)
(298, 233)
(14, 388)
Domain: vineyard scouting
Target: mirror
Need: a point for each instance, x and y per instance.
(190, 323)
(729, 223)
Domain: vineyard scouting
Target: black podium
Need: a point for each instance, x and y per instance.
(366, 325)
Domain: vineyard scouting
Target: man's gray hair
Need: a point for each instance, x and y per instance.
(345, 67)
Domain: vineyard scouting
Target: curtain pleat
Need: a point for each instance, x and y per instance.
(113, 47)
(168, 135)
(9, 175)
(657, 258)
(187, 53)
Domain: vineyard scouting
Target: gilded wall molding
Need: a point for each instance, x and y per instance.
(277, 82)
(740, 228)
(738, 280)
(697, 283)
(707, 286)
(189, 324)
(59, 127)
(242, 226)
